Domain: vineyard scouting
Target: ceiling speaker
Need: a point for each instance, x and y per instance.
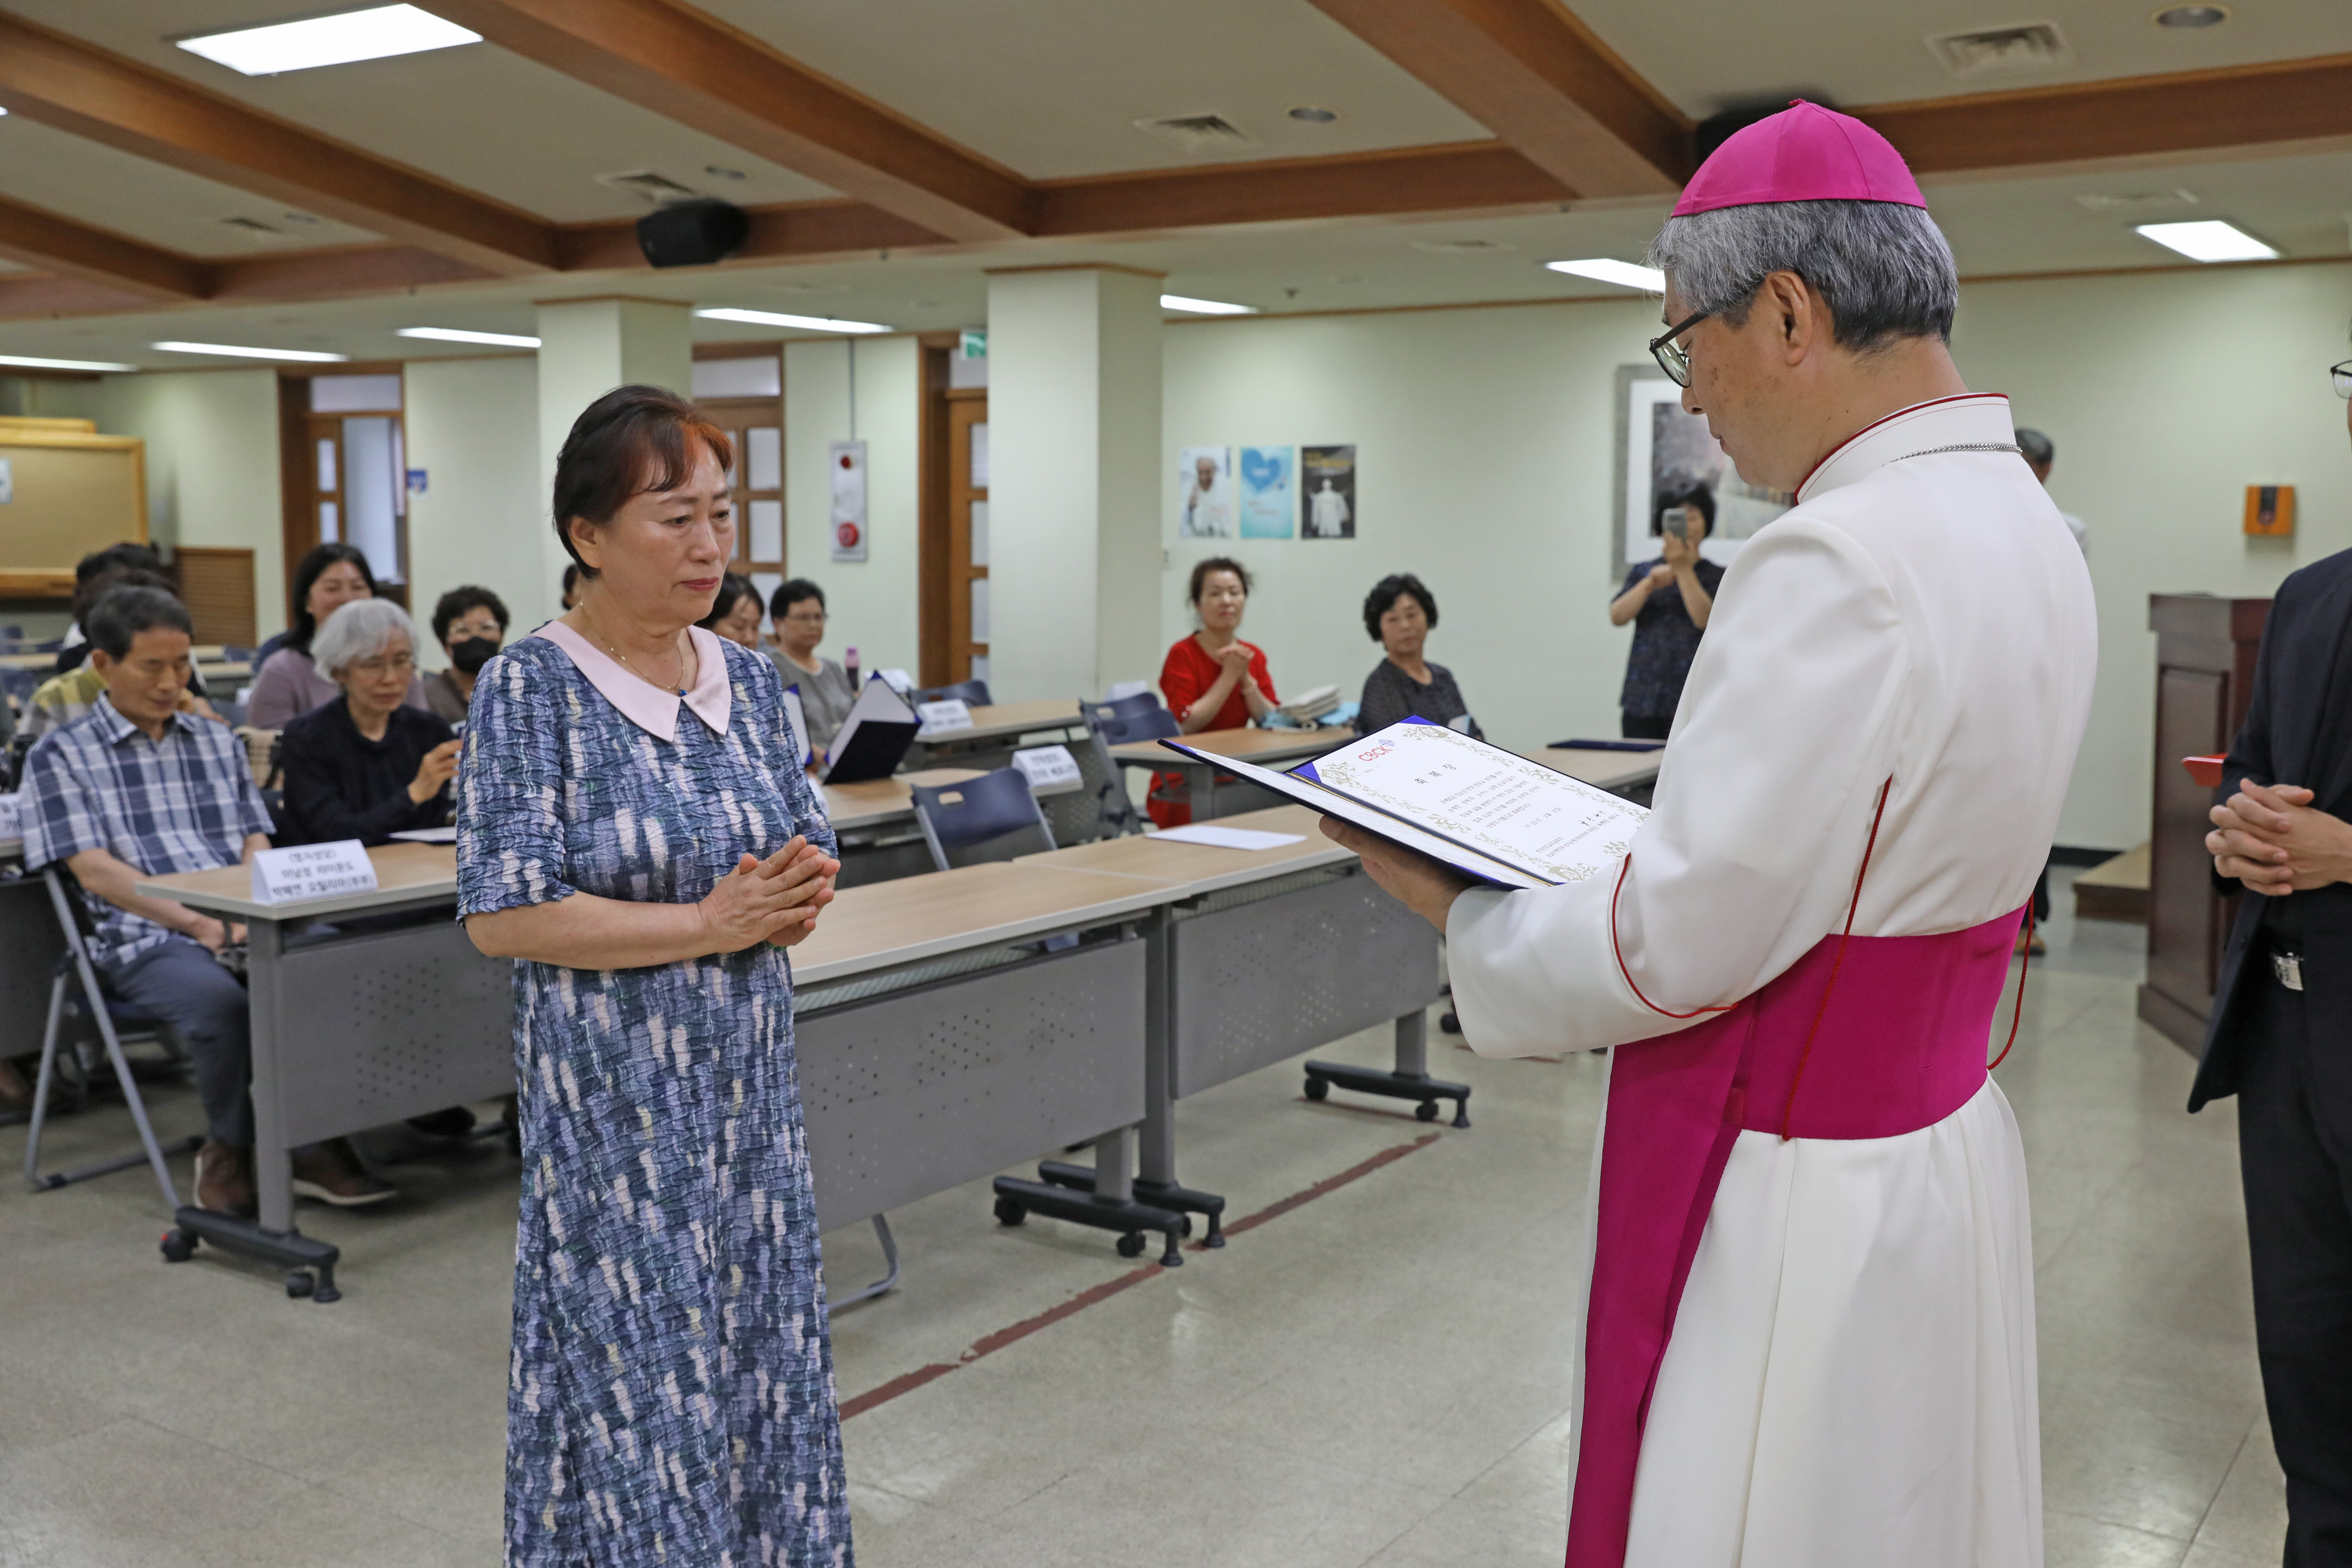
(692, 233)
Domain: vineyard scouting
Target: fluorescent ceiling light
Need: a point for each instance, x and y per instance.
(2209, 239)
(1205, 307)
(28, 361)
(238, 351)
(805, 323)
(460, 335)
(1602, 269)
(369, 35)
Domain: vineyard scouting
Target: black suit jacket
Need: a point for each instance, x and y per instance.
(2298, 725)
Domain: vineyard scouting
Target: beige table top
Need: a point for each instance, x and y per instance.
(1601, 770)
(996, 721)
(1197, 868)
(887, 923)
(404, 872)
(27, 660)
(1253, 745)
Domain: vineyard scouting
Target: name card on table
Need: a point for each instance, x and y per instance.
(939, 717)
(1045, 766)
(312, 871)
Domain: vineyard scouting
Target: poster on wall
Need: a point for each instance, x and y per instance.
(848, 463)
(1204, 492)
(1269, 479)
(1327, 492)
(1663, 451)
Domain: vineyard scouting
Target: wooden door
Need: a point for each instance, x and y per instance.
(756, 426)
(344, 479)
(967, 534)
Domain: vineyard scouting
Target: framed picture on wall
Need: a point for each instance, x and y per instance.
(1204, 492)
(1662, 451)
(1268, 490)
(1326, 495)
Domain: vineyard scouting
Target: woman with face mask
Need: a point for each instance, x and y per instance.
(470, 624)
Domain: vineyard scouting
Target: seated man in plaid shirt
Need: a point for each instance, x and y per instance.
(136, 788)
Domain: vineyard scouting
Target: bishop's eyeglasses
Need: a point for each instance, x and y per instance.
(1675, 359)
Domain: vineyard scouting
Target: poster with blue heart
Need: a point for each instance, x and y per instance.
(1269, 491)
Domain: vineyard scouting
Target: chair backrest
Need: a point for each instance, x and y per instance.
(992, 817)
(972, 692)
(1143, 723)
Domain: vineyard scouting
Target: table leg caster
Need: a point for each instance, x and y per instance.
(179, 1246)
(1011, 1211)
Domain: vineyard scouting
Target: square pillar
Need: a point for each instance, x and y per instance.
(1074, 492)
(586, 348)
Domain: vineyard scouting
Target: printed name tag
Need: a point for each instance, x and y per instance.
(1046, 765)
(951, 714)
(312, 871)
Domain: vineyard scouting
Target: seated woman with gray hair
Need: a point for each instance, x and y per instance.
(366, 766)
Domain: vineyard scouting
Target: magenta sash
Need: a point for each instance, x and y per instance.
(1900, 1045)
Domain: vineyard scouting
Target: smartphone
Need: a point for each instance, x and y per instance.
(1675, 521)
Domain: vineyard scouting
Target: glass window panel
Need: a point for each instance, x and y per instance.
(978, 668)
(979, 609)
(767, 530)
(326, 465)
(764, 458)
(369, 495)
(980, 533)
(980, 455)
(330, 528)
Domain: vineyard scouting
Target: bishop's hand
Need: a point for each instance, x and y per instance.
(1421, 884)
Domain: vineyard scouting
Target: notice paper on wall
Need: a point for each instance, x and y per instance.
(1218, 837)
(312, 871)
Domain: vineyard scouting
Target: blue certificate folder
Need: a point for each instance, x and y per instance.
(1305, 785)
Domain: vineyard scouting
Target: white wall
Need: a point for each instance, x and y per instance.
(211, 464)
(473, 427)
(1486, 464)
(874, 603)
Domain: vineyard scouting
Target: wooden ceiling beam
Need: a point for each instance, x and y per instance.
(2188, 112)
(1535, 76)
(691, 68)
(76, 87)
(59, 245)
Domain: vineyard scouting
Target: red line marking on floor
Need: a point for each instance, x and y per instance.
(1094, 1294)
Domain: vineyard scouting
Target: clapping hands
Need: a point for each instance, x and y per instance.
(775, 900)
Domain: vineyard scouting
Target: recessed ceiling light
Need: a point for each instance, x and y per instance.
(369, 35)
(1314, 114)
(2191, 16)
(779, 318)
(29, 361)
(1603, 270)
(2208, 241)
(1205, 307)
(460, 335)
(238, 351)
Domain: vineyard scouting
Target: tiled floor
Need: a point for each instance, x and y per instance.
(1374, 1376)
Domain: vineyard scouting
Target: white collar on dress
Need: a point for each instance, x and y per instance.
(640, 702)
(1973, 419)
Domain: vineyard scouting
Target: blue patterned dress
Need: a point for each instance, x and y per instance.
(670, 1401)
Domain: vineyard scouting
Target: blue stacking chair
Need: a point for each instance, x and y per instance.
(992, 817)
(76, 973)
(1138, 718)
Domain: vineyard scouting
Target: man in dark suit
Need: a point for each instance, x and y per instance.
(2280, 1037)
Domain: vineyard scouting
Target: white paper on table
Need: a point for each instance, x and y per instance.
(312, 871)
(428, 836)
(1484, 798)
(1218, 837)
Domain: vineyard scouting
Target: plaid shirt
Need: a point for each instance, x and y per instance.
(185, 803)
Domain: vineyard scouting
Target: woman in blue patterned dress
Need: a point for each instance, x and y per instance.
(635, 828)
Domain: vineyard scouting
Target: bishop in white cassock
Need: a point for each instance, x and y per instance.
(1809, 1318)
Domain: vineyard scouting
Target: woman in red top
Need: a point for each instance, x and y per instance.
(1212, 680)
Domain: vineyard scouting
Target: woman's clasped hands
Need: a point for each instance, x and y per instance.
(773, 901)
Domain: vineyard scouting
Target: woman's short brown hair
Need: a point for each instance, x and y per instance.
(1217, 563)
(629, 441)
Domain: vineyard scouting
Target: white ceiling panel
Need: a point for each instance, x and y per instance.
(94, 185)
(1710, 55)
(1053, 88)
(476, 116)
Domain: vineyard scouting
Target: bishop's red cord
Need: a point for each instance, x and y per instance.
(1622, 867)
(1789, 1112)
(2019, 1016)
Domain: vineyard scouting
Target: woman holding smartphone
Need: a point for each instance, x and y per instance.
(1668, 600)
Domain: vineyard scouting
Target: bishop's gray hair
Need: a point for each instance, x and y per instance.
(358, 630)
(1883, 269)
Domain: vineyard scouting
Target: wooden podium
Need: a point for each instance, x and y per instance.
(2205, 649)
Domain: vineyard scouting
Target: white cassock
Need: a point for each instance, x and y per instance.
(1828, 1361)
